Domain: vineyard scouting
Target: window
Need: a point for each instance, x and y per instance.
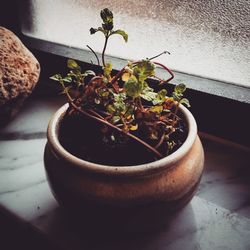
(206, 38)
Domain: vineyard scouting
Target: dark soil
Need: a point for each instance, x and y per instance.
(84, 139)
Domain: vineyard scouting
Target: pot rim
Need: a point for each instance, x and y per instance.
(142, 169)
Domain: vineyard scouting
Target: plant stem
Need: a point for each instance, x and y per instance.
(95, 113)
(117, 76)
(167, 69)
(164, 52)
(104, 48)
(98, 62)
(140, 103)
(94, 78)
(156, 152)
(160, 141)
(159, 79)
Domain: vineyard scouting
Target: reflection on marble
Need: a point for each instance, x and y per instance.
(200, 225)
(226, 178)
(217, 218)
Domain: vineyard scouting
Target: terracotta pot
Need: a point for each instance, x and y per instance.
(77, 183)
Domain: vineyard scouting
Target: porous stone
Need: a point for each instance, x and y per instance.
(19, 73)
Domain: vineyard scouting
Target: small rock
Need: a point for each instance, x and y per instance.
(19, 73)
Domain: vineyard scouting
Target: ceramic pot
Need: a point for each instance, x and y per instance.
(77, 183)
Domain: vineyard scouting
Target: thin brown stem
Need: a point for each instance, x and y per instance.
(104, 49)
(98, 62)
(117, 76)
(94, 78)
(95, 113)
(159, 79)
(163, 122)
(167, 69)
(140, 103)
(160, 141)
(164, 52)
(175, 114)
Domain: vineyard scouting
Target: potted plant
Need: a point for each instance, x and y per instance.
(122, 141)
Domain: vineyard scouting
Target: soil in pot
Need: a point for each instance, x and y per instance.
(84, 138)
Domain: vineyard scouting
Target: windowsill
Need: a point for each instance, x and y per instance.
(205, 85)
(220, 108)
(219, 214)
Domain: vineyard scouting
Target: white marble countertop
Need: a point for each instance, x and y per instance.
(218, 217)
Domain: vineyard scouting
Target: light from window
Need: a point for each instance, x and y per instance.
(206, 38)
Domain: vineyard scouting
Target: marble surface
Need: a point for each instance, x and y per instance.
(218, 217)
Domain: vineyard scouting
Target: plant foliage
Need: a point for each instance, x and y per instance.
(125, 102)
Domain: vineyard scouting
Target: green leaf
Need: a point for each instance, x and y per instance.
(107, 69)
(56, 77)
(161, 97)
(185, 102)
(89, 73)
(180, 88)
(171, 145)
(72, 64)
(156, 109)
(122, 33)
(119, 97)
(126, 76)
(133, 87)
(116, 119)
(133, 127)
(166, 110)
(110, 108)
(93, 30)
(103, 93)
(143, 70)
(67, 79)
(129, 111)
(148, 94)
(177, 96)
(162, 94)
(119, 103)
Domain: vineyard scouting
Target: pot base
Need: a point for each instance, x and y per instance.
(144, 218)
